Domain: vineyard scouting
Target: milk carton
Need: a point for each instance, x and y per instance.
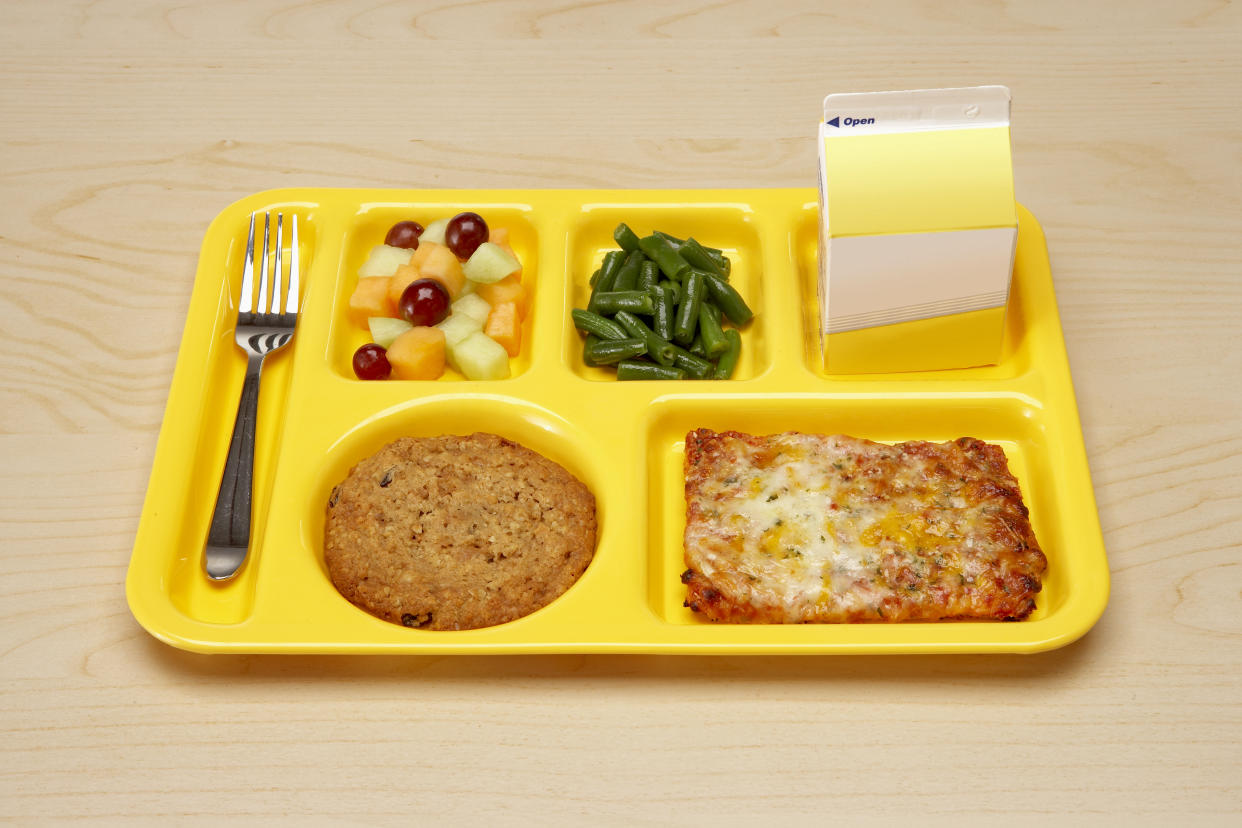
(918, 227)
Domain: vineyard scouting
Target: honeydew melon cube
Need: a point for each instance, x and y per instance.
(384, 329)
(489, 264)
(384, 260)
(456, 328)
(434, 232)
(479, 357)
(474, 306)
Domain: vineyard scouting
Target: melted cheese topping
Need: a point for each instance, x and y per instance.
(834, 528)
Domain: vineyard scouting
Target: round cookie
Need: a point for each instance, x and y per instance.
(455, 533)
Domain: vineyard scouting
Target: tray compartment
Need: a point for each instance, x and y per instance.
(1012, 421)
(526, 423)
(732, 227)
(1031, 258)
(367, 228)
(211, 422)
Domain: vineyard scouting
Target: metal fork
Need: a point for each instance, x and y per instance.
(259, 333)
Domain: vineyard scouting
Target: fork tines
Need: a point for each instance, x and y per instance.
(272, 293)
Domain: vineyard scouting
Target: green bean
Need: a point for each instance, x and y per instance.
(648, 274)
(714, 342)
(687, 318)
(662, 252)
(607, 276)
(634, 301)
(724, 262)
(728, 360)
(696, 367)
(662, 315)
(627, 276)
(594, 277)
(658, 348)
(630, 369)
(626, 238)
(593, 323)
(607, 352)
(696, 347)
(697, 256)
(714, 252)
(674, 287)
(728, 300)
(613, 260)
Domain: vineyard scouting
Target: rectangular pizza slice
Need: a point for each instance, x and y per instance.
(803, 528)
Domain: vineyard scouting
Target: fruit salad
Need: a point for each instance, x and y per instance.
(448, 294)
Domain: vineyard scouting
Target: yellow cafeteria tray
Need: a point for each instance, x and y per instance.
(624, 440)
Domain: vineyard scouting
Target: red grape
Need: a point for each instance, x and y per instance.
(371, 362)
(424, 302)
(464, 234)
(404, 234)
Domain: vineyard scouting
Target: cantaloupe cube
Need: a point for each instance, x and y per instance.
(508, 289)
(504, 326)
(441, 265)
(397, 284)
(418, 354)
(424, 250)
(370, 298)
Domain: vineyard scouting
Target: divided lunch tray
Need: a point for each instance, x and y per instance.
(624, 440)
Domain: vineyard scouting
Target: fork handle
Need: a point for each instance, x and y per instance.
(228, 540)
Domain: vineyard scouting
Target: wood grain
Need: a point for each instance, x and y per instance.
(127, 126)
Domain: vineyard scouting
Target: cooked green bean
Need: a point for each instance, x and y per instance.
(594, 277)
(728, 360)
(697, 256)
(607, 352)
(648, 274)
(714, 252)
(658, 348)
(728, 300)
(687, 318)
(613, 260)
(714, 342)
(696, 367)
(593, 323)
(634, 370)
(663, 253)
(626, 238)
(627, 276)
(607, 276)
(696, 347)
(634, 301)
(675, 287)
(662, 315)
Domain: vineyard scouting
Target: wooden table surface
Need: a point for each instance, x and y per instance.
(126, 126)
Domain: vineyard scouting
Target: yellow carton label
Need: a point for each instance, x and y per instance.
(919, 182)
